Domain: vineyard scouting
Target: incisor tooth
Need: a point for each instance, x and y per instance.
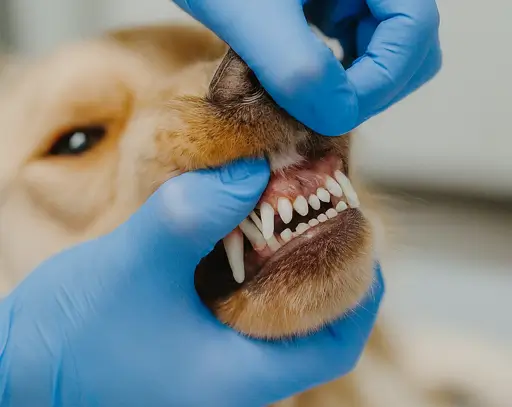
(234, 246)
(331, 213)
(253, 234)
(347, 187)
(313, 222)
(285, 209)
(341, 206)
(314, 202)
(323, 195)
(286, 235)
(257, 221)
(273, 244)
(322, 218)
(301, 205)
(267, 220)
(333, 187)
(301, 228)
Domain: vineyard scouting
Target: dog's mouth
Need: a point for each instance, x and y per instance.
(304, 206)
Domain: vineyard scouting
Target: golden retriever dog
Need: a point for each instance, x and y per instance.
(91, 131)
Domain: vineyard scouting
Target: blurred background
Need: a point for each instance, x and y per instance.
(444, 154)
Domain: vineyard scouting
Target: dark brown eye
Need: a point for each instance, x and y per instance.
(78, 141)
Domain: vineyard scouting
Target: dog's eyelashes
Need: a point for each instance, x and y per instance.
(78, 141)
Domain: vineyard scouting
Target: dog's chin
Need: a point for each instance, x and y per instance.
(317, 266)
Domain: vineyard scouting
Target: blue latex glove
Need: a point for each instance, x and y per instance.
(397, 41)
(117, 321)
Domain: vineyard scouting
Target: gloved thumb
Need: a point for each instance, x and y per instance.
(190, 213)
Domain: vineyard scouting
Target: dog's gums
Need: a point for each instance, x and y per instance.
(285, 213)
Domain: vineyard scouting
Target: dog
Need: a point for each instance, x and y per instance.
(92, 130)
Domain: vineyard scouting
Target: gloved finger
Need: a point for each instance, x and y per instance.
(405, 33)
(292, 367)
(430, 67)
(295, 67)
(190, 213)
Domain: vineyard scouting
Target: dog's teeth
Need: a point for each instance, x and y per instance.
(314, 202)
(331, 213)
(234, 246)
(301, 228)
(301, 205)
(341, 206)
(253, 234)
(323, 195)
(349, 191)
(313, 222)
(286, 235)
(285, 209)
(322, 218)
(273, 244)
(333, 187)
(257, 221)
(267, 220)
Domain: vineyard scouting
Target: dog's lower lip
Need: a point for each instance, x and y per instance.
(256, 264)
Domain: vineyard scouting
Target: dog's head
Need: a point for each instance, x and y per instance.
(91, 131)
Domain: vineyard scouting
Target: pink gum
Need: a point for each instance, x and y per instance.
(303, 180)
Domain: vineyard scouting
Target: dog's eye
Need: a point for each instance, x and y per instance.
(78, 141)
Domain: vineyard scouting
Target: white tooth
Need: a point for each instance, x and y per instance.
(333, 187)
(331, 213)
(267, 220)
(314, 202)
(341, 206)
(347, 187)
(253, 234)
(301, 205)
(234, 246)
(286, 235)
(322, 218)
(313, 222)
(323, 195)
(285, 209)
(301, 228)
(256, 220)
(273, 244)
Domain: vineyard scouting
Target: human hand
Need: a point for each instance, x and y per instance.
(117, 321)
(397, 42)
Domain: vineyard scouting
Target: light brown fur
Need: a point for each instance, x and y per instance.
(150, 89)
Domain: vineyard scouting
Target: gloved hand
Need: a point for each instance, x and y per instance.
(397, 41)
(117, 321)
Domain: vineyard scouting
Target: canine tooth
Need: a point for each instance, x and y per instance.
(331, 213)
(341, 206)
(322, 218)
(301, 228)
(234, 246)
(314, 202)
(301, 205)
(323, 195)
(286, 235)
(257, 221)
(267, 220)
(313, 222)
(347, 187)
(253, 234)
(285, 209)
(273, 244)
(333, 187)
